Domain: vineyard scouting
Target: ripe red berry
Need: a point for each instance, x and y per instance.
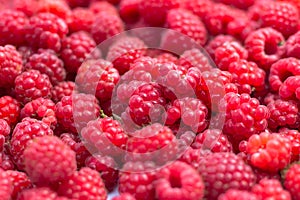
(9, 110)
(292, 180)
(124, 196)
(270, 188)
(6, 187)
(20, 182)
(234, 194)
(289, 90)
(65, 88)
(216, 42)
(292, 47)
(81, 19)
(129, 10)
(198, 7)
(40, 193)
(195, 58)
(102, 6)
(242, 4)
(58, 7)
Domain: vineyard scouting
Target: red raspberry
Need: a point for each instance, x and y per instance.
(290, 89)
(216, 42)
(241, 28)
(103, 6)
(47, 160)
(40, 193)
(292, 180)
(282, 113)
(137, 179)
(6, 186)
(83, 184)
(212, 139)
(125, 51)
(105, 26)
(198, 7)
(106, 166)
(41, 109)
(124, 196)
(47, 63)
(25, 52)
(265, 47)
(58, 7)
(4, 128)
(129, 10)
(228, 53)
(195, 58)
(20, 182)
(271, 189)
(45, 30)
(242, 4)
(76, 48)
(294, 137)
(166, 58)
(187, 23)
(81, 19)
(224, 171)
(62, 89)
(12, 27)
(269, 152)
(28, 7)
(292, 46)
(154, 12)
(194, 157)
(260, 175)
(74, 112)
(281, 16)
(31, 85)
(234, 194)
(9, 110)
(10, 65)
(6, 161)
(179, 181)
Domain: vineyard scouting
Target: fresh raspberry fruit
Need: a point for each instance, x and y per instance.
(154, 12)
(58, 7)
(212, 139)
(83, 184)
(187, 23)
(294, 137)
(105, 26)
(244, 116)
(125, 51)
(62, 89)
(292, 47)
(166, 58)
(241, 28)
(216, 42)
(292, 180)
(281, 16)
(106, 166)
(179, 181)
(124, 196)
(6, 187)
(31, 85)
(74, 112)
(81, 19)
(242, 4)
(194, 157)
(4, 128)
(20, 182)
(40, 193)
(9, 110)
(228, 53)
(45, 30)
(11, 65)
(195, 58)
(47, 160)
(224, 171)
(41, 109)
(269, 152)
(12, 27)
(26, 52)
(129, 10)
(47, 63)
(234, 194)
(271, 189)
(198, 7)
(265, 47)
(281, 70)
(137, 179)
(102, 6)
(6, 161)
(28, 7)
(76, 48)
(282, 113)
(23, 134)
(290, 89)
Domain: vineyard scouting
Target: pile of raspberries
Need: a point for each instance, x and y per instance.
(129, 122)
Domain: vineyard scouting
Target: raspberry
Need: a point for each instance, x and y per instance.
(129, 10)
(9, 110)
(179, 181)
(187, 23)
(217, 42)
(31, 85)
(289, 90)
(166, 58)
(282, 113)
(198, 7)
(23, 134)
(281, 16)
(270, 188)
(212, 139)
(102, 6)
(224, 171)
(228, 53)
(25, 52)
(41, 109)
(269, 152)
(78, 3)
(28, 7)
(74, 112)
(6, 161)
(124, 196)
(6, 186)
(20, 182)
(292, 180)
(233, 194)
(12, 27)
(241, 28)
(40, 193)
(76, 49)
(294, 137)
(81, 19)
(105, 165)
(137, 179)
(265, 47)
(11, 65)
(260, 175)
(58, 7)
(105, 26)
(154, 12)
(45, 30)
(194, 157)
(4, 128)
(242, 4)
(125, 51)
(292, 47)
(83, 184)
(62, 89)
(47, 159)
(47, 63)
(195, 58)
